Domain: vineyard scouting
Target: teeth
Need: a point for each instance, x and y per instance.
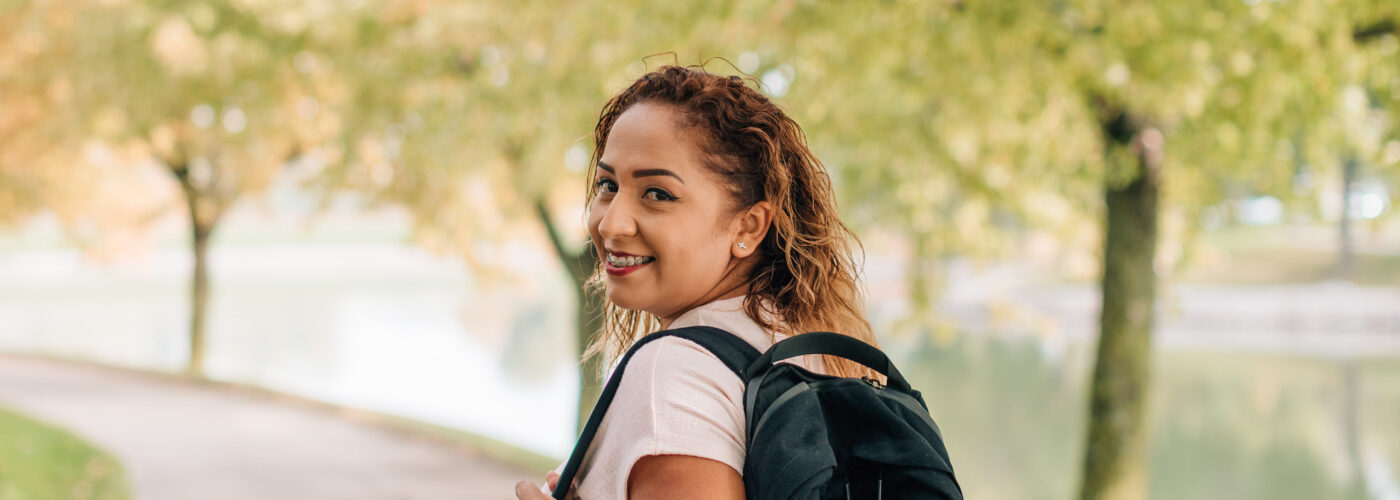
(628, 261)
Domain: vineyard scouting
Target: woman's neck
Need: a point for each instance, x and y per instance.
(734, 284)
(738, 291)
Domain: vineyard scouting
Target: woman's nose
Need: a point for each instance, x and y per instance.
(617, 221)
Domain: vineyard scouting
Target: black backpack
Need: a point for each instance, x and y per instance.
(812, 436)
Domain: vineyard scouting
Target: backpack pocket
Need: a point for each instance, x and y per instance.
(908, 469)
(793, 458)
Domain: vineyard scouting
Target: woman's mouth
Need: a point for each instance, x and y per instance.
(618, 265)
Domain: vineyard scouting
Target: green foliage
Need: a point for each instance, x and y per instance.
(959, 125)
(1004, 103)
(471, 122)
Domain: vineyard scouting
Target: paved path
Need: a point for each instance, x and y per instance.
(181, 440)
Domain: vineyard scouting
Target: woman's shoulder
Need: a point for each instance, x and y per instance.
(675, 398)
(662, 366)
(729, 315)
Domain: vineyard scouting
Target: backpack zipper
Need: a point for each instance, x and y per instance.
(874, 383)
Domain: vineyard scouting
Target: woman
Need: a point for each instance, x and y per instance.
(708, 209)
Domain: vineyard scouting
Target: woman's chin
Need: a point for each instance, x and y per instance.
(625, 299)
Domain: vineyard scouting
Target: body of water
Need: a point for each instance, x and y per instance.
(1257, 393)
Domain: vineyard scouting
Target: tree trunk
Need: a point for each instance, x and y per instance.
(588, 321)
(199, 299)
(1351, 427)
(1115, 463)
(1346, 254)
(197, 201)
(588, 318)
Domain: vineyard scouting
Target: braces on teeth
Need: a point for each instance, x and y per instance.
(628, 261)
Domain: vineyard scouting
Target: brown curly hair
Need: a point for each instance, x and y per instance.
(807, 266)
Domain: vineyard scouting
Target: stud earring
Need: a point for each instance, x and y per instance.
(743, 246)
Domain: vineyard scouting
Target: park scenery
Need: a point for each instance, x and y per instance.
(335, 249)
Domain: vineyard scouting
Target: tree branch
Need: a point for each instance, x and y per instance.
(574, 262)
(1364, 34)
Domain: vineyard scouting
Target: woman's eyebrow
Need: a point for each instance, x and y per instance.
(649, 172)
(643, 172)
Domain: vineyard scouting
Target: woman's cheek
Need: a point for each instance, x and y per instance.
(594, 217)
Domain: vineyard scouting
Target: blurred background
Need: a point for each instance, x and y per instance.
(378, 205)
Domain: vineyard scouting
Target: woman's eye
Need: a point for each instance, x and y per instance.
(606, 186)
(655, 194)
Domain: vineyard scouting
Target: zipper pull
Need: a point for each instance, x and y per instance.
(874, 383)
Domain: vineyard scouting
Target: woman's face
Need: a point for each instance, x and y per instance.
(662, 221)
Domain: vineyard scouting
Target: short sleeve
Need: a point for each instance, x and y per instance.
(675, 398)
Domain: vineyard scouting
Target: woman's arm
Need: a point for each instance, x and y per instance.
(683, 477)
(665, 477)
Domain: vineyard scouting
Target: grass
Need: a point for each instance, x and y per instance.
(1278, 255)
(40, 462)
(1295, 266)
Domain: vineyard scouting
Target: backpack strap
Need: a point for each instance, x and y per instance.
(832, 344)
(733, 351)
(736, 353)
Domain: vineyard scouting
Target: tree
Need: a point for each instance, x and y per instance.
(26, 97)
(449, 105)
(210, 92)
(1030, 107)
(1362, 110)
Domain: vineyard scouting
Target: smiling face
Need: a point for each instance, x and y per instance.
(665, 223)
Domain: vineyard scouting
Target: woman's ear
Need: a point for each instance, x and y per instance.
(752, 225)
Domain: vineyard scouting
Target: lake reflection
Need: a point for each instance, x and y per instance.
(380, 326)
(1224, 425)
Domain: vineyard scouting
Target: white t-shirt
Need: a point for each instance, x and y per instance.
(676, 398)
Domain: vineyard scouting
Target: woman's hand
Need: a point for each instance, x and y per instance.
(526, 490)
